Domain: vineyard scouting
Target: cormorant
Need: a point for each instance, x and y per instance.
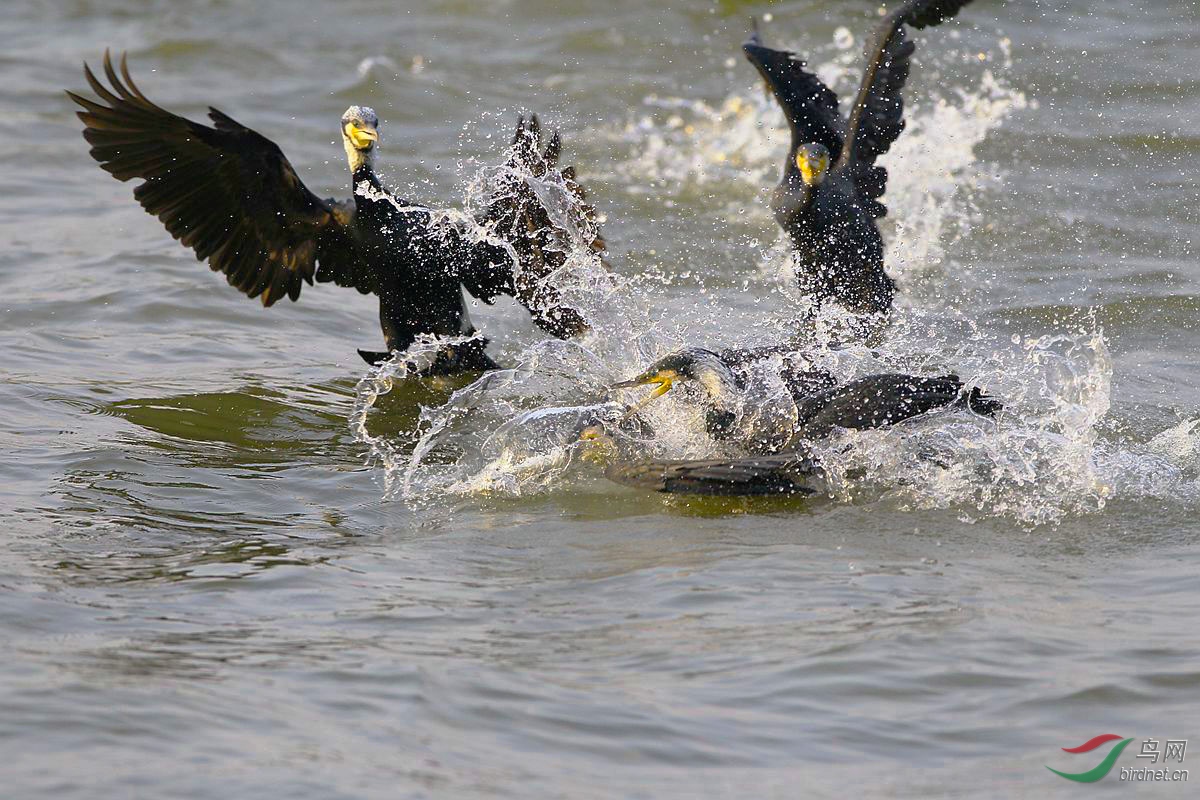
(811, 406)
(230, 195)
(828, 199)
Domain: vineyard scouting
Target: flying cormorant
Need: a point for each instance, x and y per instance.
(230, 195)
(812, 405)
(828, 199)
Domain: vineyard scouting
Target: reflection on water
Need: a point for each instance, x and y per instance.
(228, 560)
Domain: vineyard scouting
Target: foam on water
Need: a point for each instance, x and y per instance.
(514, 432)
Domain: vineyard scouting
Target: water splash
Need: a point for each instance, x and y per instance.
(393, 450)
(933, 167)
(1037, 463)
(1179, 445)
(514, 432)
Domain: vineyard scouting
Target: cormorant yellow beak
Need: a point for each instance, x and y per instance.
(361, 138)
(812, 170)
(660, 379)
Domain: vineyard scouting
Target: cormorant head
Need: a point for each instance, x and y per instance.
(813, 162)
(598, 445)
(360, 135)
(694, 364)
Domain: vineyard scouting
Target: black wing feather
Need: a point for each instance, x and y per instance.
(340, 254)
(225, 191)
(810, 106)
(877, 117)
(541, 245)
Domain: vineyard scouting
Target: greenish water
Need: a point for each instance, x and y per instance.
(222, 574)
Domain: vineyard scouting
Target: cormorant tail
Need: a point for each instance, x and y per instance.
(981, 403)
(374, 357)
(470, 356)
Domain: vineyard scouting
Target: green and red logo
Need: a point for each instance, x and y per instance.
(1100, 770)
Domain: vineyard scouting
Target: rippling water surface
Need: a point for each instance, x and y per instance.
(235, 562)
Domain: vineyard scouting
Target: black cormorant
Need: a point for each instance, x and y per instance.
(230, 195)
(812, 405)
(828, 199)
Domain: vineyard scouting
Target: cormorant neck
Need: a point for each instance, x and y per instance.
(358, 158)
(721, 392)
(791, 197)
(794, 180)
(365, 173)
(719, 384)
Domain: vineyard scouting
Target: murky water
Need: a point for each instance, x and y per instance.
(238, 563)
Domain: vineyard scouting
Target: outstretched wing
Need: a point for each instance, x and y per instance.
(224, 191)
(786, 474)
(877, 401)
(810, 106)
(543, 213)
(877, 117)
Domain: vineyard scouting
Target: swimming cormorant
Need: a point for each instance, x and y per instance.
(812, 405)
(828, 198)
(779, 461)
(230, 195)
